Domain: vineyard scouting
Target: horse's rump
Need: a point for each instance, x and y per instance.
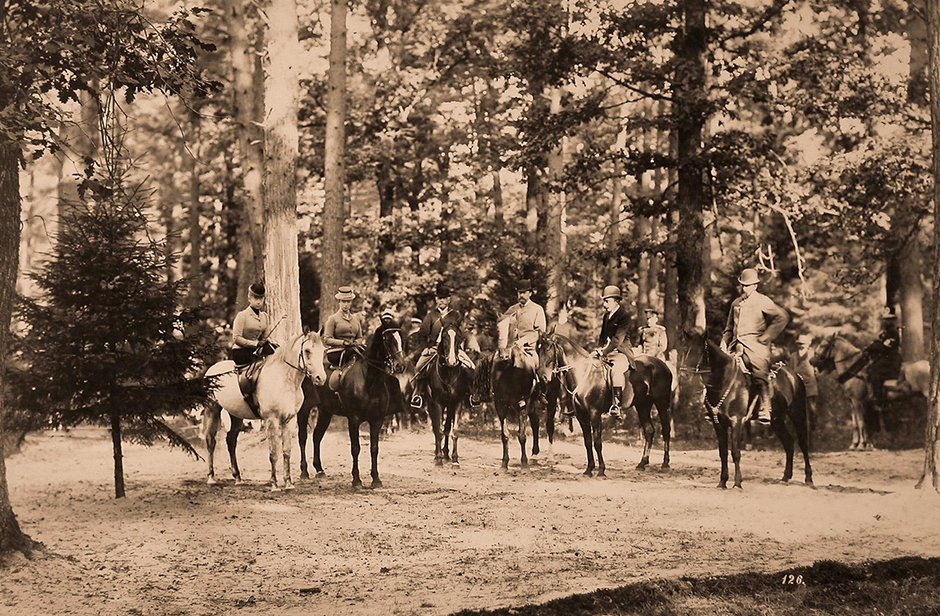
(223, 384)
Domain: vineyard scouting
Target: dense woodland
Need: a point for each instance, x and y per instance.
(661, 146)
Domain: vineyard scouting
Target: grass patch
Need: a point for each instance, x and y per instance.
(902, 586)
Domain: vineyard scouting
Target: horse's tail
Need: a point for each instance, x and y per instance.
(481, 379)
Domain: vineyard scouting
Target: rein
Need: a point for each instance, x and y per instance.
(300, 358)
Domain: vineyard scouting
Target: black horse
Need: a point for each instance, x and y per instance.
(652, 386)
(729, 403)
(449, 387)
(367, 389)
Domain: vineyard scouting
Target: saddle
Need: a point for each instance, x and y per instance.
(334, 374)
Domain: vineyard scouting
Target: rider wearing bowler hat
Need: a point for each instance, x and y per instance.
(754, 322)
(614, 341)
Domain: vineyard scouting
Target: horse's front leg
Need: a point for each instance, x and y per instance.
(721, 431)
(857, 425)
(454, 460)
(521, 427)
(231, 441)
(665, 423)
(646, 429)
(354, 449)
(737, 439)
(533, 411)
(587, 433)
(287, 441)
(435, 411)
(375, 429)
(504, 436)
(786, 439)
(211, 420)
(275, 431)
(323, 422)
(303, 420)
(597, 426)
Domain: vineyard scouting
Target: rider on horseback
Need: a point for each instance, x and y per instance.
(653, 339)
(343, 332)
(520, 327)
(250, 331)
(614, 341)
(429, 335)
(754, 322)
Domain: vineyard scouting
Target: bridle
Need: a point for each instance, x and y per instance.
(300, 358)
(559, 369)
(699, 370)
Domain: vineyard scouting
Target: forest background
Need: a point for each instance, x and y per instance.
(659, 146)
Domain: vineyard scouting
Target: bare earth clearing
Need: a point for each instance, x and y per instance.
(434, 540)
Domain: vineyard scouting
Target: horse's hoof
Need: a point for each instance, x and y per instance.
(588, 473)
(738, 486)
(641, 467)
(601, 473)
(321, 474)
(455, 464)
(211, 481)
(289, 486)
(275, 489)
(438, 462)
(665, 466)
(356, 484)
(304, 475)
(376, 484)
(239, 481)
(722, 486)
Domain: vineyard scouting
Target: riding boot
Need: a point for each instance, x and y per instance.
(766, 403)
(614, 410)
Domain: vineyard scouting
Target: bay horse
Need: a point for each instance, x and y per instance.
(729, 404)
(449, 387)
(584, 384)
(515, 393)
(368, 389)
(279, 395)
(838, 355)
(652, 386)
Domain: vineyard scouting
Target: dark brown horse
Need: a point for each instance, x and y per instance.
(584, 384)
(367, 389)
(449, 385)
(515, 398)
(652, 386)
(729, 403)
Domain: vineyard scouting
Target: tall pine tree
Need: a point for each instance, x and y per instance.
(107, 341)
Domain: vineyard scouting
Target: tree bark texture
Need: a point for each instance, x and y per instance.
(689, 110)
(281, 139)
(118, 454)
(556, 245)
(195, 210)
(932, 440)
(11, 537)
(332, 268)
(248, 110)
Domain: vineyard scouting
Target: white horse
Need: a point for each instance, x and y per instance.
(279, 394)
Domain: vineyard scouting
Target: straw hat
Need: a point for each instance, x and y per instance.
(345, 293)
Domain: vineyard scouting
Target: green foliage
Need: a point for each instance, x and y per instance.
(107, 337)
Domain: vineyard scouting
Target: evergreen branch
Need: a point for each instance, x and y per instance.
(173, 438)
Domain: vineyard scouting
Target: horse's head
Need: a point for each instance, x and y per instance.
(694, 355)
(451, 340)
(311, 357)
(825, 360)
(388, 348)
(551, 356)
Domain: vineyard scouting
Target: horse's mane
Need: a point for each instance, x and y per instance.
(571, 346)
(374, 348)
(281, 351)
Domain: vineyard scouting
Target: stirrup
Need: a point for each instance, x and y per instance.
(417, 402)
(614, 410)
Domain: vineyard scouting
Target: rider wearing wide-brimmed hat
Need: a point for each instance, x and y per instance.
(343, 330)
(520, 327)
(250, 332)
(754, 322)
(429, 335)
(615, 347)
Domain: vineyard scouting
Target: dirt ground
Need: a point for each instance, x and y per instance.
(434, 540)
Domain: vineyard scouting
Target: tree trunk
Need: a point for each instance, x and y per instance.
(385, 252)
(556, 245)
(195, 210)
(11, 537)
(932, 441)
(690, 98)
(118, 454)
(281, 267)
(248, 100)
(498, 217)
(333, 271)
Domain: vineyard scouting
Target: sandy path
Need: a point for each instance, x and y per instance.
(435, 539)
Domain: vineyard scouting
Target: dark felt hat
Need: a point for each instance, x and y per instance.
(257, 289)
